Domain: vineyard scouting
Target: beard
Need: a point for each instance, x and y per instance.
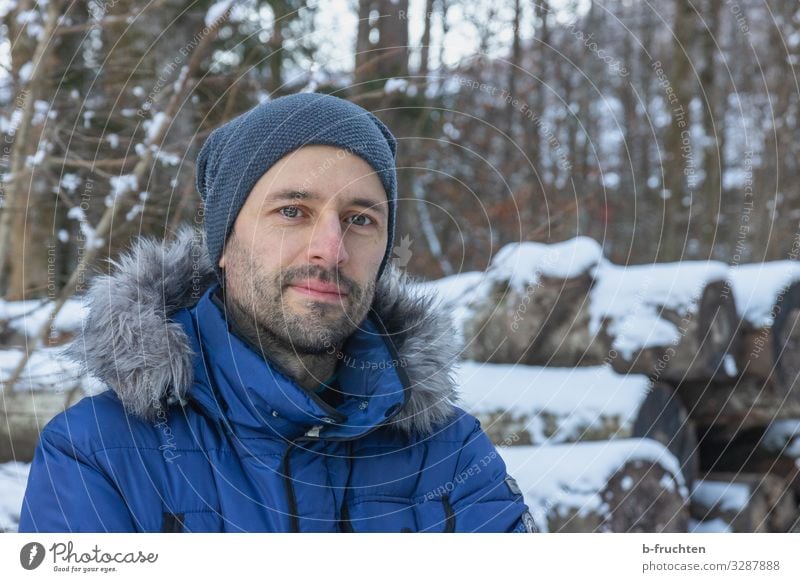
(263, 307)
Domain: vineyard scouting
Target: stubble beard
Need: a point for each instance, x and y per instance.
(268, 310)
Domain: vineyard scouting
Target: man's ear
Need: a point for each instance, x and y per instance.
(221, 263)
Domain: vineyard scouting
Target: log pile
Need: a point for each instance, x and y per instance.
(718, 345)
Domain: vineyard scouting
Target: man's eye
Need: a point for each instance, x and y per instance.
(357, 220)
(290, 211)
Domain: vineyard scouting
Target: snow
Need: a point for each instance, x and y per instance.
(89, 234)
(6, 7)
(636, 332)
(717, 525)
(153, 126)
(758, 286)
(578, 398)
(46, 369)
(667, 483)
(632, 297)
(523, 264)
(784, 436)
(70, 182)
(166, 158)
(121, 185)
(458, 293)
(30, 19)
(729, 364)
(572, 476)
(216, 11)
(35, 159)
(395, 85)
(181, 79)
(25, 72)
(42, 111)
(723, 495)
(28, 317)
(456, 288)
(13, 480)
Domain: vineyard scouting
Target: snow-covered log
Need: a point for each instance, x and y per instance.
(670, 321)
(768, 303)
(530, 405)
(49, 383)
(23, 415)
(625, 485)
(743, 502)
(532, 308)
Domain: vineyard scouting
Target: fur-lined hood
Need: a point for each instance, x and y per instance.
(130, 342)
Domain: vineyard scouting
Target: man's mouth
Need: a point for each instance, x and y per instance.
(318, 290)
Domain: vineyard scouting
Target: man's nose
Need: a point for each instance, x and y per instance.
(326, 246)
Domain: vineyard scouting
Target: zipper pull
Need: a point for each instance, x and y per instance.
(313, 432)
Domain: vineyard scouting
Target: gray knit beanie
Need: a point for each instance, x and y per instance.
(236, 154)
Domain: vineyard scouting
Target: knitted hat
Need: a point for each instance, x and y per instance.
(236, 154)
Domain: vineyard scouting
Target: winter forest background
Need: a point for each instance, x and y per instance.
(589, 186)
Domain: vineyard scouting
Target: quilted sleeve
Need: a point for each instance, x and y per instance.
(68, 492)
(484, 497)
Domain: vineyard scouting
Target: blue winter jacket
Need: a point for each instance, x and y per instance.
(201, 433)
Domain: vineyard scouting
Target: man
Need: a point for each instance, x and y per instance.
(278, 373)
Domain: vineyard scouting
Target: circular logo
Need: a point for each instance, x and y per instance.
(31, 555)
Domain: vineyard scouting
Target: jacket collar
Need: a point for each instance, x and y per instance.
(240, 388)
(153, 333)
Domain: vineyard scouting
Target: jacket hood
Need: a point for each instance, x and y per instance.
(130, 342)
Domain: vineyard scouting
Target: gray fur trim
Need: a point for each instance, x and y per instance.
(129, 342)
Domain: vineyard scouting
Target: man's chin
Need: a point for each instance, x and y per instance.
(315, 334)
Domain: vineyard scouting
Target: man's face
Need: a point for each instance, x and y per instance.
(305, 249)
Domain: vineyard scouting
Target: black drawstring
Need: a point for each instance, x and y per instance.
(294, 519)
(344, 514)
(173, 523)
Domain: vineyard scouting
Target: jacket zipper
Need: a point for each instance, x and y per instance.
(291, 498)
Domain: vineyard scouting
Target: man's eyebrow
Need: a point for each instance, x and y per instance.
(293, 194)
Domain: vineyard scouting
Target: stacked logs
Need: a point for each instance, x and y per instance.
(719, 347)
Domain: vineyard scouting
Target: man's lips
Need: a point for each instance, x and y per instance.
(318, 289)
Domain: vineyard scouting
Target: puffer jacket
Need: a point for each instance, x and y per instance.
(200, 433)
